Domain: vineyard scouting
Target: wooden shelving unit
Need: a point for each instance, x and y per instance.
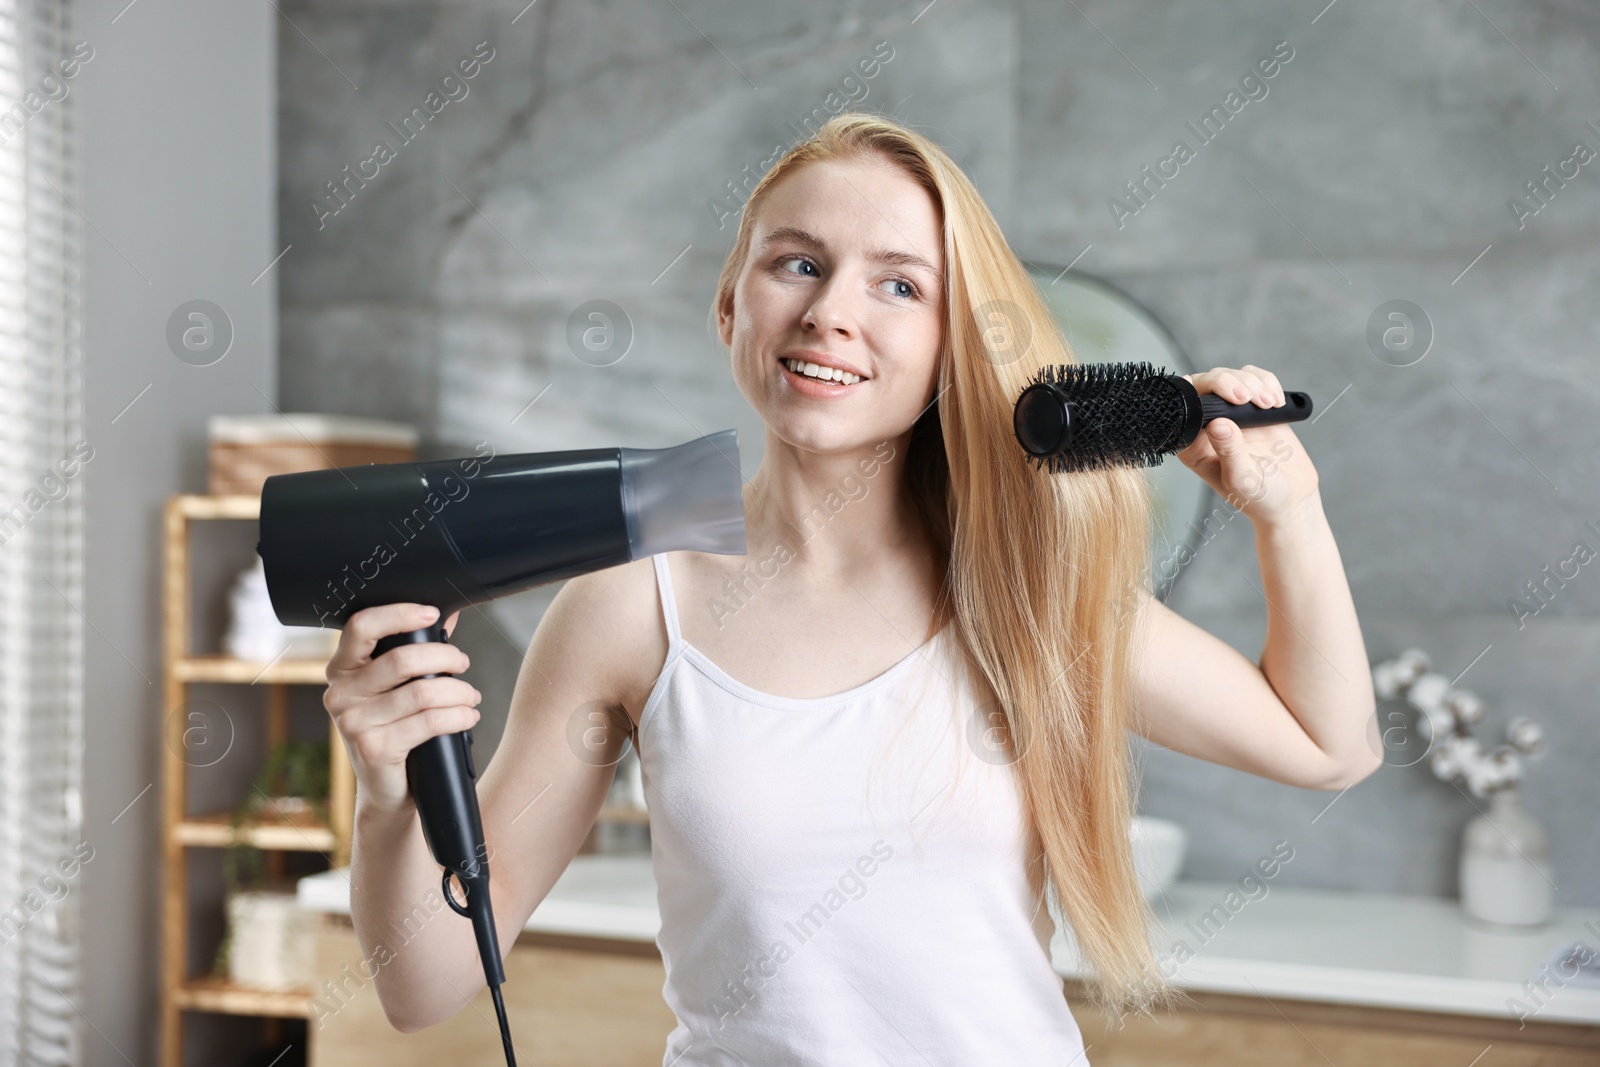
(182, 830)
(618, 813)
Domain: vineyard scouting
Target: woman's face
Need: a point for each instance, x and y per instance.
(845, 269)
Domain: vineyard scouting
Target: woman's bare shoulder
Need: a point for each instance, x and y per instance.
(614, 615)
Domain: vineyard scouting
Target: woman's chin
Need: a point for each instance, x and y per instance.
(822, 433)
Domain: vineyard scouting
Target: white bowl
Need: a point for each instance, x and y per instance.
(1158, 850)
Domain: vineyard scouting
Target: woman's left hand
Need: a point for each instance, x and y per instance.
(1261, 470)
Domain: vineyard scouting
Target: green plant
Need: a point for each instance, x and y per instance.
(296, 769)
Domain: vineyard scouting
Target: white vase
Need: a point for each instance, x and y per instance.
(1506, 875)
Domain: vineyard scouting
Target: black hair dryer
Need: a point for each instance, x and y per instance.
(450, 533)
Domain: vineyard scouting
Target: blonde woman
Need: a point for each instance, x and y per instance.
(874, 744)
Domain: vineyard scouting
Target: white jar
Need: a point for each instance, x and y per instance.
(1506, 875)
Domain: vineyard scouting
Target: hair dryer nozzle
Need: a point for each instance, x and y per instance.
(685, 498)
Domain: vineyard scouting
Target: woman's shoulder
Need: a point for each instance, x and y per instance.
(614, 616)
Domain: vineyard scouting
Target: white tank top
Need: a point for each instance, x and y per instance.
(842, 879)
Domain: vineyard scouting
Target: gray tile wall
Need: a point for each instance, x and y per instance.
(1377, 166)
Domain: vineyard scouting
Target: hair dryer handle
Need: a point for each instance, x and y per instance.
(443, 783)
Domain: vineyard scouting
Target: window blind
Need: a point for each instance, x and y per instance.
(41, 539)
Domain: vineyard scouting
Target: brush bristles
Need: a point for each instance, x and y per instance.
(1123, 414)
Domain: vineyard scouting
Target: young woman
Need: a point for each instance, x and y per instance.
(872, 745)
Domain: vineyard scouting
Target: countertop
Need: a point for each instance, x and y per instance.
(1381, 950)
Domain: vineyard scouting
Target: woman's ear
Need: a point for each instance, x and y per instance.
(725, 320)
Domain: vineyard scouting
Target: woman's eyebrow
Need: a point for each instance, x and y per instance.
(810, 240)
(907, 259)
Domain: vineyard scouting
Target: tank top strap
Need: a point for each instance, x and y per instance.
(669, 602)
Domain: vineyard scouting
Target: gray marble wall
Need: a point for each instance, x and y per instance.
(584, 158)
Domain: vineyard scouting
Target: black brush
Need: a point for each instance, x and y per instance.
(1090, 416)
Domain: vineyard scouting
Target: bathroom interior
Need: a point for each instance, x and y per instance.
(304, 234)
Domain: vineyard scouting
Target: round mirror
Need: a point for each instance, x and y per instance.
(1105, 325)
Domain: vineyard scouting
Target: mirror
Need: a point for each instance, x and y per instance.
(1103, 324)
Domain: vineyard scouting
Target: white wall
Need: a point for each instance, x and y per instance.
(179, 162)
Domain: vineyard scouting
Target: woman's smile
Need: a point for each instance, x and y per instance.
(814, 379)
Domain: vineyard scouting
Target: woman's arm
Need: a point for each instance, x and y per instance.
(1306, 715)
(538, 796)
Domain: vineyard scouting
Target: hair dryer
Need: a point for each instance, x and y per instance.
(450, 533)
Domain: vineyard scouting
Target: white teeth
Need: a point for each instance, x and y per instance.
(825, 374)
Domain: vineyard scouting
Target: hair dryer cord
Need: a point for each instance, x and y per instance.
(478, 910)
(505, 1027)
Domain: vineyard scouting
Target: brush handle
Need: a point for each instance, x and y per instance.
(1295, 408)
(443, 778)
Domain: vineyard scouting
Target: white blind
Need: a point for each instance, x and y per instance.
(41, 540)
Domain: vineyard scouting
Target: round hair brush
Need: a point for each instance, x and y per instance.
(1095, 415)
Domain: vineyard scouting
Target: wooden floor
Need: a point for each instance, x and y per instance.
(582, 1003)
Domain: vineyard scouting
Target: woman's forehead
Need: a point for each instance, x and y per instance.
(841, 206)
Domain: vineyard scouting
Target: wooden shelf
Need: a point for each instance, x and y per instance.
(273, 833)
(202, 506)
(249, 672)
(618, 813)
(225, 997)
(294, 833)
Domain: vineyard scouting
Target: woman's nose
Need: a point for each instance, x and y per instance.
(831, 311)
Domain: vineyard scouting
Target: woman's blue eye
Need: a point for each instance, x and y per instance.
(808, 269)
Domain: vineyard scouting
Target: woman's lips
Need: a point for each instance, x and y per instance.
(813, 387)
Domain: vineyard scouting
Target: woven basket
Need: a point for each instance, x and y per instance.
(248, 449)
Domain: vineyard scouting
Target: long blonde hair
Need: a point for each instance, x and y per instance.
(1038, 568)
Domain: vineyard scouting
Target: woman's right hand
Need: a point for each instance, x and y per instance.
(381, 714)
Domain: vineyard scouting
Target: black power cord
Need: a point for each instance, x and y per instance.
(477, 908)
(505, 1027)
